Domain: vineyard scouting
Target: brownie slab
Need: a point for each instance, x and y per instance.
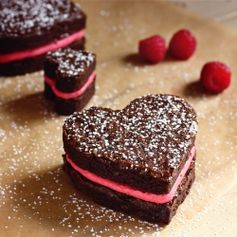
(27, 26)
(69, 79)
(148, 211)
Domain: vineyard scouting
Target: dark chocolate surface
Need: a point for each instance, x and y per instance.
(157, 213)
(26, 24)
(150, 139)
(69, 68)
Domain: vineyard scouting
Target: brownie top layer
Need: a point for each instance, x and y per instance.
(34, 17)
(153, 134)
(71, 63)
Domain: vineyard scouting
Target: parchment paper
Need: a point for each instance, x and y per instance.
(36, 196)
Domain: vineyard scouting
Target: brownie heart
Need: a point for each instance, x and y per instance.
(152, 136)
(69, 79)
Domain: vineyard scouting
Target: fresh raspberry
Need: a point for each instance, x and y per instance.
(182, 45)
(215, 76)
(153, 49)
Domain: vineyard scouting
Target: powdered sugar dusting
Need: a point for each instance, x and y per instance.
(21, 17)
(72, 62)
(155, 132)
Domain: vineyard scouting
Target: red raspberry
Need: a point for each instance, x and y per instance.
(152, 49)
(182, 45)
(215, 76)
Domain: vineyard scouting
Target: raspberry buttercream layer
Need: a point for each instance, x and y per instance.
(70, 95)
(125, 189)
(52, 46)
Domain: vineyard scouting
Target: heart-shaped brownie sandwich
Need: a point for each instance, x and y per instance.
(139, 160)
(69, 79)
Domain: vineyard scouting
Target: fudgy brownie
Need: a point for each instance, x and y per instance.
(138, 160)
(69, 79)
(152, 212)
(29, 29)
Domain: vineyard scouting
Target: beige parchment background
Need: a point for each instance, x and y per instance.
(38, 199)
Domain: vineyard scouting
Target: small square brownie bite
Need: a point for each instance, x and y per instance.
(139, 160)
(69, 79)
(30, 29)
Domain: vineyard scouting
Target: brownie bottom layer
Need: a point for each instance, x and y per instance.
(156, 213)
(28, 65)
(68, 106)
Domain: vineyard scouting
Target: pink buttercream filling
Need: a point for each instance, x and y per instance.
(70, 95)
(29, 53)
(145, 196)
